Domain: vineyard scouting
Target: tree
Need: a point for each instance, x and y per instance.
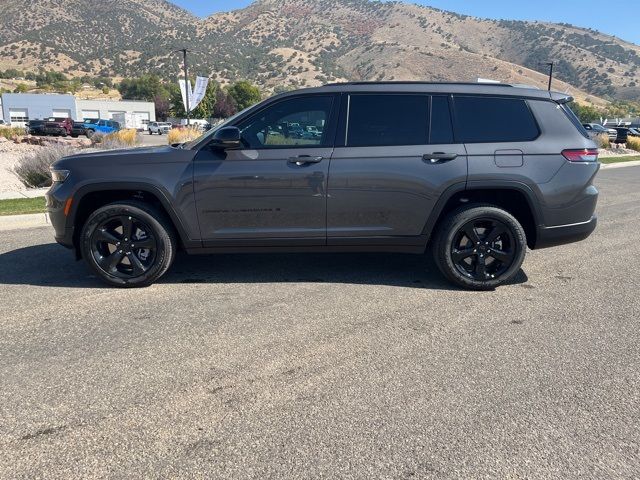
(144, 88)
(163, 106)
(225, 105)
(21, 88)
(245, 94)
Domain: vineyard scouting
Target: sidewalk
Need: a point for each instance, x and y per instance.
(31, 193)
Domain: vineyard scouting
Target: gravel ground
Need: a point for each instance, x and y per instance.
(325, 366)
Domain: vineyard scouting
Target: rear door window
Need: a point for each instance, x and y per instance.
(441, 126)
(387, 120)
(493, 119)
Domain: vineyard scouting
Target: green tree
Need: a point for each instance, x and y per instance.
(245, 94)
(145, 88)
(21, 88)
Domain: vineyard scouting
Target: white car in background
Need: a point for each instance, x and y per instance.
(160, 128)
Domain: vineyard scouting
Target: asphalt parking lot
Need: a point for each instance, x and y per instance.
(336, 366)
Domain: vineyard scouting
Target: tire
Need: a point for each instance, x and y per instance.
(89, 133)
(150, 132)
(468, 255)
(112, 255)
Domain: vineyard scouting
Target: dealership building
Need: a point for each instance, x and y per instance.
(18, 108)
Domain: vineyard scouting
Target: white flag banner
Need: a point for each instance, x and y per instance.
(199, 92)
(196, 95)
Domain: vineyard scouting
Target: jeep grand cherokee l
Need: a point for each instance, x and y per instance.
(474, 173)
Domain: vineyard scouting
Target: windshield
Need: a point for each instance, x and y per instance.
(201, 138)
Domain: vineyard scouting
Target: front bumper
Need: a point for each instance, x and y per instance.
(56, 199)
(563, 234)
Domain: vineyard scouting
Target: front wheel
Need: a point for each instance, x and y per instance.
(128, 244)
(479, 247)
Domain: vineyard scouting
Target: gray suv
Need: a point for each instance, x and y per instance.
(474, 173)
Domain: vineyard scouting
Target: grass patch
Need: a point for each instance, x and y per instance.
(632, 158)
(21, 206)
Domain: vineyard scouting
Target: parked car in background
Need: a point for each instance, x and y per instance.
(595, 129)
(161, 128)
(94, 125)
(78, 129)
(57, 126)
(634, 132)
(474, 173)
(35, 127)
(3, 123)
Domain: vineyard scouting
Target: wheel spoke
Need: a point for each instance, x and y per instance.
(502, 256)
(481, 268)
(109, 263)
(136, 264)
(471, 234)
(103, 235)
(127, 227)
(495, 232)
(460, 255)
(145, 243)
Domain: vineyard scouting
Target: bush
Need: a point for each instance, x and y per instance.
(603, 141)
(120, 139)
(181, 135)
(633, 143)
(10, 132)
(33, 169)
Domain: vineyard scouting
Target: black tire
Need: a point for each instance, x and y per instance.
(468, 255)
(135, 267)
(150, 132)
(89, 133)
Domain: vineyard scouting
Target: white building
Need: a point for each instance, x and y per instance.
(106, 109)
(18, 108)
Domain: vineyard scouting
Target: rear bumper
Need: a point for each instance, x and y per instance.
(563, 234)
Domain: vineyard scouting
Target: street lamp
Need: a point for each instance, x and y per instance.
(550, 65)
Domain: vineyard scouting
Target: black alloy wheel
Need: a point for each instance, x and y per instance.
(479, 247)
(129, 243)
(124, 247)
(483, 248)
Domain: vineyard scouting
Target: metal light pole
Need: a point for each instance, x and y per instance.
(550, 65)
(186, 85)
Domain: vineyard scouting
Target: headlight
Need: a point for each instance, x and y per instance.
(59, 175)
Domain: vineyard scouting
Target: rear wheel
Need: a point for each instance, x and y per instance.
(89, 133)
(128, 244)
(479, 247)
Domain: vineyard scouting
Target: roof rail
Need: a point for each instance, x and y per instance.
(415, 82)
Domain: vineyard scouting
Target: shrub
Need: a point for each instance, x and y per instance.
(10, 132)
(181, 135)
(120, 139)
(33, 169)
(633, 143)
(603, 141)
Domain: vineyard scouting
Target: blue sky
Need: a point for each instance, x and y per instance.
(613, 18)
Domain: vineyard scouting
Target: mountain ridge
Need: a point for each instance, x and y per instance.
(295, 43)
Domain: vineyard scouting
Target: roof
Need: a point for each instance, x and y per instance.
(497, 89)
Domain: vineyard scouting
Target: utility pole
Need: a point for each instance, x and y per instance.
(550, 65)
(186, 84)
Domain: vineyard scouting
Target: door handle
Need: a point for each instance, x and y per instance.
(439, 157)
(305, 160)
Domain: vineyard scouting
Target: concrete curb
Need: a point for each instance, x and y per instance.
(19, 222)
(635, 163)
(31, 193)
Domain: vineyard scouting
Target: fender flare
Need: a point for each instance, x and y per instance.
(150, 188)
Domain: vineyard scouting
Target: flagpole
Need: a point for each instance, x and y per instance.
(186, 85)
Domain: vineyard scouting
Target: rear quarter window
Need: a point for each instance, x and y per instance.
(493, 119)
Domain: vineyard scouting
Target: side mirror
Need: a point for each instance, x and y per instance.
(227, 137)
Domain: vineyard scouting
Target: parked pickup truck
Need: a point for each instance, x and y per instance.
(93, 125)
(58, 126)
(159, 127)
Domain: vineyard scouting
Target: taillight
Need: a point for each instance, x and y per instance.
(582, 155)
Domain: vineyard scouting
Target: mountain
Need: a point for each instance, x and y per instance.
(281, 43)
